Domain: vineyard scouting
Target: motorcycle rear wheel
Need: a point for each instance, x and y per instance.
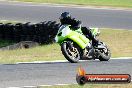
(104, 54)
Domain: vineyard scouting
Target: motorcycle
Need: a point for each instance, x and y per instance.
(76, 46)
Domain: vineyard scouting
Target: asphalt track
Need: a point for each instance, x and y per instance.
(90, 17)
(17, 75)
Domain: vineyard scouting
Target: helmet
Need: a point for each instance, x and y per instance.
(65, 15)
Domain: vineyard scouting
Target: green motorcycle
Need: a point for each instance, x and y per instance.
(75, 46)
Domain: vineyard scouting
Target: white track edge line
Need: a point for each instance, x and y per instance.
(44, 85)
(59, 61)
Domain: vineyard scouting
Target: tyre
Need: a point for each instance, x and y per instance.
(104, 53)
(71, 51)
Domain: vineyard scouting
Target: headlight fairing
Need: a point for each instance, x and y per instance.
(56, 39)
(65, 32)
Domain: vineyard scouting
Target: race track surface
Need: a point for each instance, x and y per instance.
(19, 75)
(90, 17)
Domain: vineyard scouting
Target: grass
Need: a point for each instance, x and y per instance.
(113, 3)
(7, 21)
(40, 53)
(93, 86)
(119, 42)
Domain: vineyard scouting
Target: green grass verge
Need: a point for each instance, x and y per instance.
(119, 42)
(40, 53)
(93, 86)
(113, 3)
(7, 21)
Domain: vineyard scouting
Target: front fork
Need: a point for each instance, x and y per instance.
(70, 45)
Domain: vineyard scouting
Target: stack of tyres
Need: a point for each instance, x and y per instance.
(1, 31)
(6, 30)
(47, 32)
(43, 32)
(39, 32)
(43, 35)
(28, 31)
(32, 31)
(24, 31)
(17, 32)
(53, 30)
(50, 31)
(9, 31)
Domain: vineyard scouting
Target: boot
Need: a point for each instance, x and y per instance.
(95, 43)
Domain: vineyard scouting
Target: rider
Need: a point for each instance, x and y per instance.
(65, 18)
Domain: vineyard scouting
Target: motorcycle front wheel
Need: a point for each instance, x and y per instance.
(71, 51)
